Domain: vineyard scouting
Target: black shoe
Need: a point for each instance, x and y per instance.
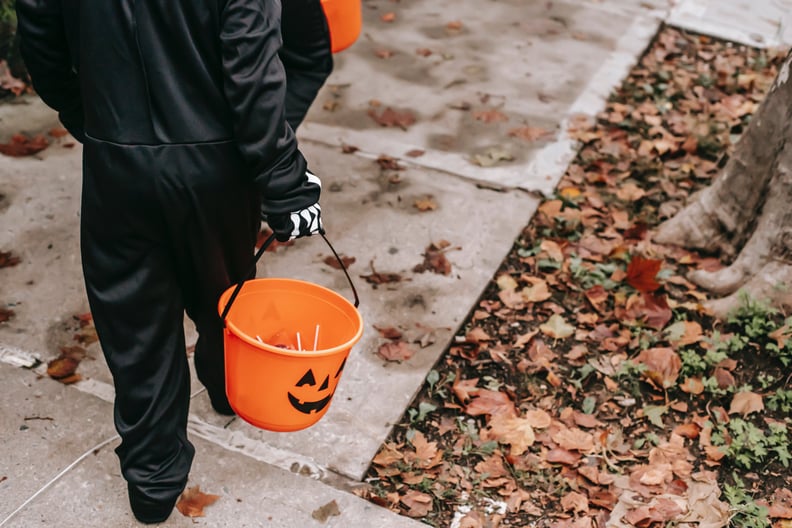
(146, 509)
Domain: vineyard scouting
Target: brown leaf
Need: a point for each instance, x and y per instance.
(538, 419)
(349, 149)
(22, 145)
(662, 366)
(322, 513)
(425, 204)
(419, 504)
(745, 403)
(193, 501)
(6, 314)
(641, 273)
(597, 296)
(64, 366)
(528, 133)
(562, 456)
(537, 291)
(389, 163)
(426, 453)
(492, 403)
(574, 440)
(423, 52)
(388, 17)
(435, 260)
(7, 259)
(464, 388)
(661, 510)
(517, 432)
(724, 378)
(396, 351)
(490, 116)
(393, 118)
(688, 430)
(389, 332)
(693, 386)
(331, 261)
(781, 506)
(377, 278)
(415, 153)
(575, 502)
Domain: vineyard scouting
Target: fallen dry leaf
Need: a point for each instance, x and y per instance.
(425, 204)
(8, 259)
(492, 403)
(528, 133)
(333, 262)
(377, 278)
(517, 432)
(745, 403)
(662, 366)
(435, 259)
(641, 273)
(574, 439)
(6, 314)
(418, 504)
(396, 351)
(575, 502)
(193, 501)
(22, 145)
(322, 513)
(393, 118)
(490, 115)
(557, 327)
(389, 332)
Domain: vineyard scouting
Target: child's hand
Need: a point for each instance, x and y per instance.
(305, 222)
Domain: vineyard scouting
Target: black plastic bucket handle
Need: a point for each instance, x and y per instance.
(252, 271)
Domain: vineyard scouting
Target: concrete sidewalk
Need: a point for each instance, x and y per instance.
(470, 77)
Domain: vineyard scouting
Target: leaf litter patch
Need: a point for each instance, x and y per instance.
(589, 387)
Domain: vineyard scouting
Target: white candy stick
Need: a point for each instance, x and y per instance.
(299, 345)
(316, 337)
(260, 340)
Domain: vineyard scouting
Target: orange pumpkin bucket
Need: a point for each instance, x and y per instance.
(345, 20)
(286, 345)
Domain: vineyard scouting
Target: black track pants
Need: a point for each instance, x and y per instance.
(164, 229)
(305, 54)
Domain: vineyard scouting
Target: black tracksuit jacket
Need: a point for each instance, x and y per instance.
(182, 108)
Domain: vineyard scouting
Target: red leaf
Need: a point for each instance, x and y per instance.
(22, 145)
(6, 314)
(641, 273)
(7, 259)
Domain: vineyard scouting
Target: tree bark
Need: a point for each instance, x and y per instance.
(746, 214)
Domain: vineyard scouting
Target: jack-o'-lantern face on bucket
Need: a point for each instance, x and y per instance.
(308, 398)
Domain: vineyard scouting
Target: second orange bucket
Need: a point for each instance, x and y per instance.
(345, 20)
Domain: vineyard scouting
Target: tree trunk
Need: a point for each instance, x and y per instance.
(746, 214)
